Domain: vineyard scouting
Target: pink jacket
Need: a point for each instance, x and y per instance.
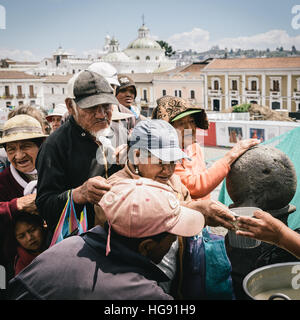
(193, 173)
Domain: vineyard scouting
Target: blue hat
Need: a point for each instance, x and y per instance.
(158, 137)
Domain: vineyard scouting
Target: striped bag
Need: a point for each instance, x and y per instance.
(68, 224)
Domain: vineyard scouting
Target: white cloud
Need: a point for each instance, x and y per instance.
(18, 55)
(199, 40)
(271, 39)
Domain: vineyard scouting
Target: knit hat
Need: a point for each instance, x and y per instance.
(170, 108)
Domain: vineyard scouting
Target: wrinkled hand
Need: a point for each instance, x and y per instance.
(241, 147)
(262, 226)
(27, 203)
(91, 191)
(215, 213)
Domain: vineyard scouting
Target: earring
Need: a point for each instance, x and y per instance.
(136, 170)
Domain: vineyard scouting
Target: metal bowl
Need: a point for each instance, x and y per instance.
(276, 281)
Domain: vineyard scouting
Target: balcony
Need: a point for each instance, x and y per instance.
(7, 97)
(252, 93)
(214, 93)
(20, 96)
(275, 94)
(32, 96)
(297, 95)
(234, 92)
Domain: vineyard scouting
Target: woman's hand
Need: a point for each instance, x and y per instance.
(241, 147)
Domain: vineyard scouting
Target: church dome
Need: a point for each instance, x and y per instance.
(116, 57)
(144, 41)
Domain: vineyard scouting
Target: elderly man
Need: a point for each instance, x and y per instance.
(70, 158)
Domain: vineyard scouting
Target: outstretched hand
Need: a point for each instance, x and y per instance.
(240, 148)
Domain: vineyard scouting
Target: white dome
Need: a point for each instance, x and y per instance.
(144, 43)
(116, 57)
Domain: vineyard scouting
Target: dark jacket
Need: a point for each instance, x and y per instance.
(77, 268)
(65, 161)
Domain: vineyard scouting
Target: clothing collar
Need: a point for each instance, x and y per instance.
(126, 260)
(17, 176)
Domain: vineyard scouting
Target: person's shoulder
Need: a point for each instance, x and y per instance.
(123, 109)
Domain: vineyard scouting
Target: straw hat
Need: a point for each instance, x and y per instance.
(21, 127)
(117, 115)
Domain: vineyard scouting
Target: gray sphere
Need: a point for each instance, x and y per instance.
(263, 177)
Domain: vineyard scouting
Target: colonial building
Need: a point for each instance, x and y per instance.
(18, 88)
(186, 82)
(273, 82)
(143, 55)
(55, 90)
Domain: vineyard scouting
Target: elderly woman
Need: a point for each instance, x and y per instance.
(153, 153)
(185, 118)
(22, 137)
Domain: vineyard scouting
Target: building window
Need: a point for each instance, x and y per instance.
(73, 71)
(275, 105)
(253, 85)
(164, 92)
(46, 63)
(7, 91)
(21, 103)
(32, 102)
(31, 91)
(137, 58)
(298, 106)
(53, 105)
(52, 90)
(147, 58)
(234, 103)
(145, 95)
(20, 94)
(234, 85)
(192, 94)
(216, 85)
(178, 93)
(63, 90)
(8, 104)
(216, 105)
(276, 85)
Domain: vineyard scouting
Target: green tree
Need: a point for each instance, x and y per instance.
(168, 49)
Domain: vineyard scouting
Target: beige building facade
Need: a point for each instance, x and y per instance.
(272, 82)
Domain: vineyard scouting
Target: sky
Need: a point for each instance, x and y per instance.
(33, 29)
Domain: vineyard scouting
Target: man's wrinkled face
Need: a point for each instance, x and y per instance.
(126, 96)
(93, 119)
(22, 155)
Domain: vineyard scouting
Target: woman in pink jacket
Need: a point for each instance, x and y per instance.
(185, 118)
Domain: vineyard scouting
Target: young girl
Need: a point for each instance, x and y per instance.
(30, 232)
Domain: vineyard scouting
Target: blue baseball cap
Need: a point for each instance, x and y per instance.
(159, 138)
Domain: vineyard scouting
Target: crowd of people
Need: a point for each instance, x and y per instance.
(143, 183)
